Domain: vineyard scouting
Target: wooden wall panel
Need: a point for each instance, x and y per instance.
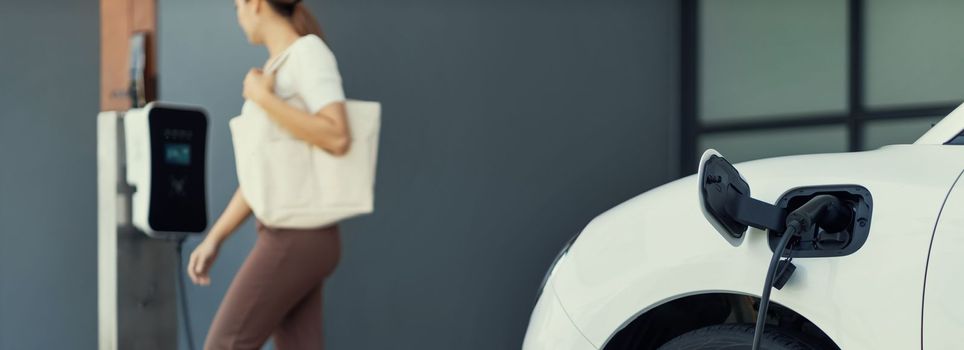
(119, 19)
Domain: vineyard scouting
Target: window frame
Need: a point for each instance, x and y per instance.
(855, 118)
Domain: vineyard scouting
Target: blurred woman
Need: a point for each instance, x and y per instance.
(277, 291)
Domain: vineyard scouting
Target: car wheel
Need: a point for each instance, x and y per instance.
(735, 337)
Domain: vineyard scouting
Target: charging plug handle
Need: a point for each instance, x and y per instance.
(825, 211)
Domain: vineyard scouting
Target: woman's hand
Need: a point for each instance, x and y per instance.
(199, 265)
(201, 260)
(258, 85)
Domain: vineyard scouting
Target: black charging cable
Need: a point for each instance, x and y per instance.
(823, 211)
(180, 285)
(793, 229)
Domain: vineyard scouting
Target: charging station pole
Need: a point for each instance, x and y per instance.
(136, 294)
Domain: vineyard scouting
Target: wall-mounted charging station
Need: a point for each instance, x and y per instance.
(165, 166)
(151, 193)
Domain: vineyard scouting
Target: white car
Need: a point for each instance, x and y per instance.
(677, 268)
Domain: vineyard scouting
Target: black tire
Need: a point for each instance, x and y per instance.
(735, 337)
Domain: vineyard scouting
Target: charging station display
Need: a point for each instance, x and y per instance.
(177, 154)
(177, 203)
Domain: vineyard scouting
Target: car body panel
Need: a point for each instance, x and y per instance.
(551, 328)
(658, 247)
(946, 130)
(943, 314)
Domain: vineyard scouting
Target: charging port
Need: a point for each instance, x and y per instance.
(821, 243)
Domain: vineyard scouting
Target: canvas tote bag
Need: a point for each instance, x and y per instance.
(289, 183)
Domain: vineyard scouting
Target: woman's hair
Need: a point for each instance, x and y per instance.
(299, 16)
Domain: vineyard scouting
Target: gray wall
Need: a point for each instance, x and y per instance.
(49, 81)
(508, 126)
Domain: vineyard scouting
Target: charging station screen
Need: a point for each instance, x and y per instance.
(177, 154)
(178, 137)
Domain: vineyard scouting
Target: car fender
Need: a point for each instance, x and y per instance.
(657, 247)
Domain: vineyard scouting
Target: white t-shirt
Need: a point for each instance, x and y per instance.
(308, 77)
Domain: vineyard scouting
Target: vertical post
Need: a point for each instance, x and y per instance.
(855, 81)
(108, 205)
(136, 291)
(689, 83)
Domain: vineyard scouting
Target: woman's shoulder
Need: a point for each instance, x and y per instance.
(311, 57)
(312, 46)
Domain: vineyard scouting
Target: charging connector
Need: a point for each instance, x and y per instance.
(823, 211)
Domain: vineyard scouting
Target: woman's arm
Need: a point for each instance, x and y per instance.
(234, 215)
(328, 129)
(203, 256)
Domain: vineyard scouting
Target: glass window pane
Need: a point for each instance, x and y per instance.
(762, 58)
(749, 145)
(894, 132)
(915, 52)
